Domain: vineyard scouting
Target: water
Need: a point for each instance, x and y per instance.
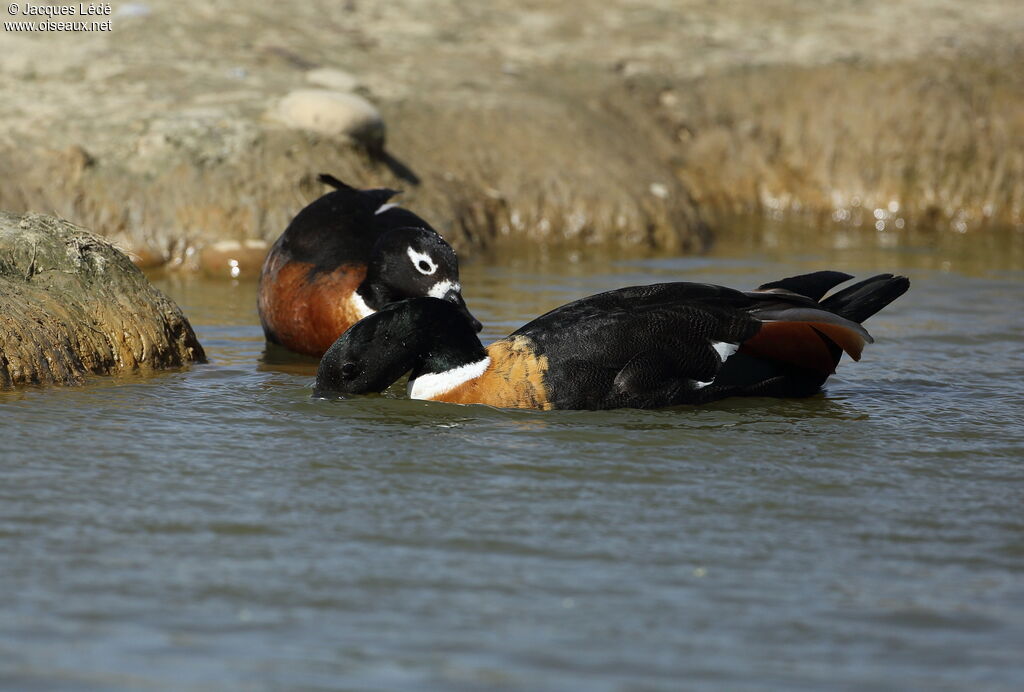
(217, 529)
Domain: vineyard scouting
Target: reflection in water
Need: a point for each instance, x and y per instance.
(279, 359)
(219, 526)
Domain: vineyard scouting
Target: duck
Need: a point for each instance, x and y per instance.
(345, 256)
(644, 347)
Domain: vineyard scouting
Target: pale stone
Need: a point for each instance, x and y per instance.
(333, 113)
(331, 78)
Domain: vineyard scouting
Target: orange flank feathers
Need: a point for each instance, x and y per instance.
(514, 378)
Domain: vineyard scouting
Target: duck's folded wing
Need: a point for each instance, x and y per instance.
(647, 355)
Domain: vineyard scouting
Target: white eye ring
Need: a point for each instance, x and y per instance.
(422, 261)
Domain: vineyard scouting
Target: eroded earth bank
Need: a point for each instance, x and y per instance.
(192, 131)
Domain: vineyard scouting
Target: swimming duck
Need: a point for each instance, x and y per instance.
(638, 347)
(345, 256)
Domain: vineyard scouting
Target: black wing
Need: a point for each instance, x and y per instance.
(641, 346)
(343, 225)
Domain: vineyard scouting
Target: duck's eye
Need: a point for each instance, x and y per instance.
(348, 370)
(424, 267)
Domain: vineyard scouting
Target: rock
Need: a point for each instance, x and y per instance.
(331, 78)
(71, 304)
(334, 114)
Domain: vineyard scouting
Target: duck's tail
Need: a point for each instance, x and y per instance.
(371, 201)
(864, 298)
(813, 285)
(328, 179)
(856, 303)
(815, 334)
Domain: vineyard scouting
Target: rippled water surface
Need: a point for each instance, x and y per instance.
(218, 529)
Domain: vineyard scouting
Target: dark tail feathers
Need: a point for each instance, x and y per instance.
(328, 179)
(372, 198)
(863, 299)
(857, 302)
(813, 285)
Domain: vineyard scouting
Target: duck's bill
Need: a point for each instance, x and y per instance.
(455, 297)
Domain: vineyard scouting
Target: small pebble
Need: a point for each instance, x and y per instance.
(659, 190)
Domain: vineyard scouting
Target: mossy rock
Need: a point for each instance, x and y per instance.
(71, 304)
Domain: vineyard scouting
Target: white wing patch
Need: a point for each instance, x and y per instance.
(436, 384)
(384, 207)
(724, 349)
(362, 309)
(441, 288)
(422, 261)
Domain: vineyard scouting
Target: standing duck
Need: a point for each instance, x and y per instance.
(345, 256)
(637, 347)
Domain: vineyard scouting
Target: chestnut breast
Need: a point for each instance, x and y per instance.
(308, 310)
